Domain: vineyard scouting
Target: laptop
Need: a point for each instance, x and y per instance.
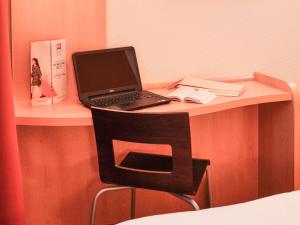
(110, 78)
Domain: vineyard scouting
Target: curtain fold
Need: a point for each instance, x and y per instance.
(11, 195)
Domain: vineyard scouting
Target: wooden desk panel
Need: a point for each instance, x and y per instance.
(230, 140)
(60, 170)
(251, 141)
(276, 148)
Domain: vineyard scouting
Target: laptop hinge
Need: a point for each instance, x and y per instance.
(111, 94)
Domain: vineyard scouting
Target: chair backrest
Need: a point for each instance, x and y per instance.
(152, 128)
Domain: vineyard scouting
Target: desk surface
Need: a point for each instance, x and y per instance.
(258, 89)
(254, 150)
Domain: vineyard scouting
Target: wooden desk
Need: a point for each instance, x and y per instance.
(252, 141)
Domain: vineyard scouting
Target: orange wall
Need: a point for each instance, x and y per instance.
(82, 23)
(205, 38)
(208, 38)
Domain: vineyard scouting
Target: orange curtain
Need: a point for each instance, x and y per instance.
(11, 197)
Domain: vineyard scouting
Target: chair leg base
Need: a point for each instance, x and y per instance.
(190, 200)
(186, 199)
(132, 211)
(208, 177)
(133, 195)
(102, 191)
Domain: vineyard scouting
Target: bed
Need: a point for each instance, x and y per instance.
(281, 209)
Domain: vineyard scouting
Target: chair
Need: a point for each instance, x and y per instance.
(179, 174)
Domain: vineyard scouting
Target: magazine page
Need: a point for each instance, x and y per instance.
(200, 96)
(190, 94)
(179, 93)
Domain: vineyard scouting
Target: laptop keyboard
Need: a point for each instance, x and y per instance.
(125, 98)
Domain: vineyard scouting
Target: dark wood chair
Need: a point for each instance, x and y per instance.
(178, 174)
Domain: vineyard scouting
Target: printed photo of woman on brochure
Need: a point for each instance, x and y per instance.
(40, 88)
(36, 76)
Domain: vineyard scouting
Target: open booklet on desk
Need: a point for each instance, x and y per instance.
(190, 94)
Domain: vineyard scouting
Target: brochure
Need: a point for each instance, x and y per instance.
(48, 71)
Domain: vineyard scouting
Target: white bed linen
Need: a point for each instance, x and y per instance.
(282, 209)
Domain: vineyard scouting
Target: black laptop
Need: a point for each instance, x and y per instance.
(110, 78)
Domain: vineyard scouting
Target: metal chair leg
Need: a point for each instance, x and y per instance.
(208, 177)
(191, 201)
(133, 193)
(187, 200)
(99, 193)
(132, 211)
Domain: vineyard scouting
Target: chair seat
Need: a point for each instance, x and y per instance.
(162, 163)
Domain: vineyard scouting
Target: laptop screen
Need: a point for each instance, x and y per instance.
(106, 71)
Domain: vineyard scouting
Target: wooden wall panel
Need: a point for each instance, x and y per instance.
(230, 140)
(276, 148)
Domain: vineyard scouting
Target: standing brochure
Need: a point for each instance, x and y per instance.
(48, 71)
